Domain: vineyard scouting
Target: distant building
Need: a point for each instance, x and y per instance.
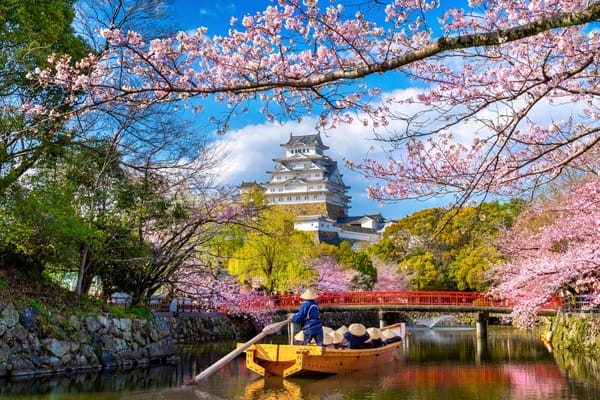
(307, 183)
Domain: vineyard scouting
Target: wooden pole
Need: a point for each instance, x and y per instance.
(267, 330)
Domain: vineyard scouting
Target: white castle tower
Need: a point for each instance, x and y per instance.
(306, 181)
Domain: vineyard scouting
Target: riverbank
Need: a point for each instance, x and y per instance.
(577, 332)
(32, 343)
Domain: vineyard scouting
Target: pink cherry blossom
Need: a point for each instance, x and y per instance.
(490, 67)
(553, 248)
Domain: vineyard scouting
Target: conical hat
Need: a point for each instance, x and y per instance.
(309, 294)
(299, 336)
(327, 339)
(374, 333)
(389, 334)
(342, 329)
(327, 329)
(357, 329)
(337, 337)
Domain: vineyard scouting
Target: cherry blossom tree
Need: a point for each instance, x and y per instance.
(507, 97)
(552, 248)
(389, 277)
(487, 72)
(332, 276)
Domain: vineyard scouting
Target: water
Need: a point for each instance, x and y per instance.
(439, 363)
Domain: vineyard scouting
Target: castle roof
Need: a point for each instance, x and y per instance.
(305, 140)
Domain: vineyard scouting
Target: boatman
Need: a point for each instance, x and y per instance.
(310, 318)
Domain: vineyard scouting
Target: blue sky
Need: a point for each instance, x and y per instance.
(253, 141)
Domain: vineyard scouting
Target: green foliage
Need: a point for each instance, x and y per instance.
(29, 33)
(274, 254)
(447, 250)
(424, 272)
(42, 229)
(40, 308)
(117, 311)
(469, 267)
(138, 312)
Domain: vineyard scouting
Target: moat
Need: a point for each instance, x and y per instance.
(440, 363)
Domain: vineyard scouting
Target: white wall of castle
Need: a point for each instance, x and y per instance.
(326, 225)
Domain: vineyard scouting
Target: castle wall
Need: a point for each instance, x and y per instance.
(317, 208)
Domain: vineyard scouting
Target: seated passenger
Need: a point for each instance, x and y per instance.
(299, 339)
(342, 330)
(390, 336)
(376, 337)
(357, 337)
(337, 340)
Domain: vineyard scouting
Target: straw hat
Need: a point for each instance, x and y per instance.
(342, 329)
(357, 329)
(327, 339)
(389, 334)
(327, 330)
(309, 294)
(299, 336)
(374, 333)
(337, 337)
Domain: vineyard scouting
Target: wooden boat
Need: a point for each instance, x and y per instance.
(296, 360)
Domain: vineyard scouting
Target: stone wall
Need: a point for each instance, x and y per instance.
(31, 343)
(578, 333)
(203, 328)
(35, 344)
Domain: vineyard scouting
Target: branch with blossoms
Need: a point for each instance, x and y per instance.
(217, 291)
(177, 241)
(294, 58)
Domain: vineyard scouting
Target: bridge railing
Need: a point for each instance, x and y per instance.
(579, 303)
(433, 298)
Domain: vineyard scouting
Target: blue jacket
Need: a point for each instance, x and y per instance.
(310, 317)
(357, 342)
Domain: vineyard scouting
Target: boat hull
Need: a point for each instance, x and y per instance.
(292, 360)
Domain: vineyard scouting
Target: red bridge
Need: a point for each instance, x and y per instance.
(388, 301)
(381, 301)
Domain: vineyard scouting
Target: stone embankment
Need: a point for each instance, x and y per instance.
(36, 344)
(32, 343)
(578, 333)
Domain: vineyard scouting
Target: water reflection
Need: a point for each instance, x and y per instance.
(434, 364)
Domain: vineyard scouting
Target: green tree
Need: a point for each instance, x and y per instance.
(274, 255)
(423, 270)
(468, 269)
(457, 242)
(30, 31)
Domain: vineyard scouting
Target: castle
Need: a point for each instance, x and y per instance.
(307, 182)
